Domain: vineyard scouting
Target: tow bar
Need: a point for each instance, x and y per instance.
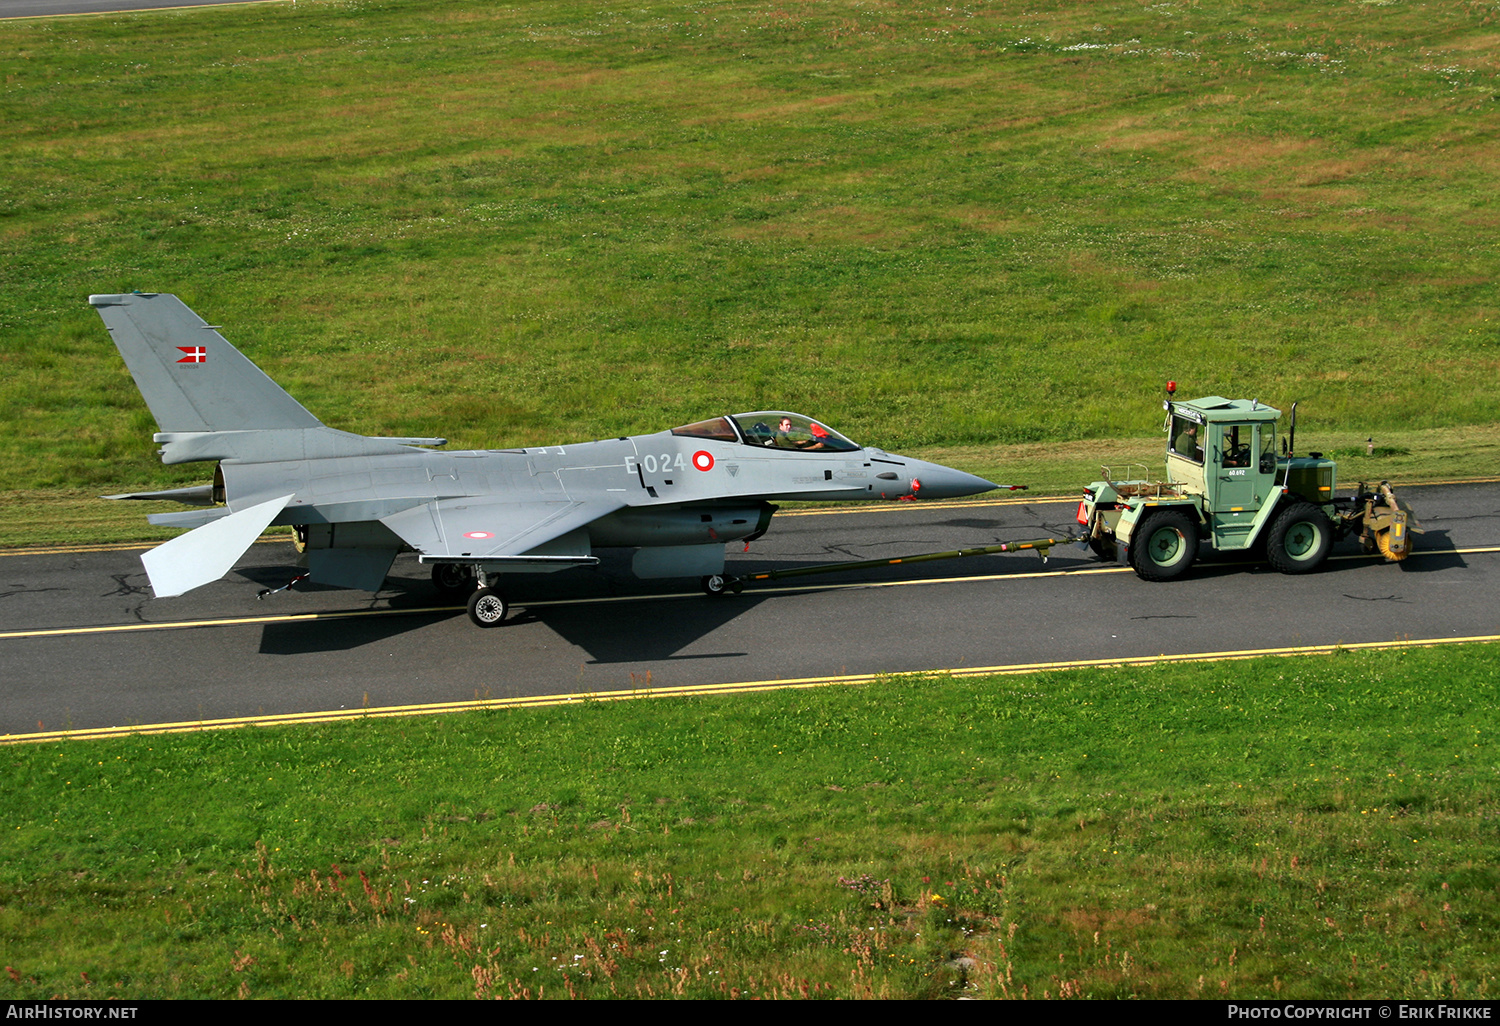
(1040, 546)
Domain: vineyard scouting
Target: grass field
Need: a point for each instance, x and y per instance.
(936, 227)
(1178, 831)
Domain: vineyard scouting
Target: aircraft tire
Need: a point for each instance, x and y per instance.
(487, 608)
(452, 580)
(713, 585)
(1163, 546)
(1299, 539)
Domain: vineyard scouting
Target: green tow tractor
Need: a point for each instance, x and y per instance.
(1228, 489)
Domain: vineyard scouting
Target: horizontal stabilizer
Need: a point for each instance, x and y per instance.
(198, 495)
(204, 555)
(187, 519)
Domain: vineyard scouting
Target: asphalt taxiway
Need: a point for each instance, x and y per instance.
(85, 647)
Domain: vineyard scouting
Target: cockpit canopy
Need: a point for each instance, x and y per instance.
(774, 429)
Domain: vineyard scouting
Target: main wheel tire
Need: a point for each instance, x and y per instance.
(713, 584)
(452, 580)
(487, 608)
(1164, 546)
(1299, 539)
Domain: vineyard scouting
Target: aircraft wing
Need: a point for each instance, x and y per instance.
(496, 529)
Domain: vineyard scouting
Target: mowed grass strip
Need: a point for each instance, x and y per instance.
(934, 226)
(1293, 828)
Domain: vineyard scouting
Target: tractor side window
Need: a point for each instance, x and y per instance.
(1267, 448)
(1187, 439)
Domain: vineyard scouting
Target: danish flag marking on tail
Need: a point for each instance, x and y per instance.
(195, 354)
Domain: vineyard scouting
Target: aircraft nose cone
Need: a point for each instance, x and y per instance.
(940, 482)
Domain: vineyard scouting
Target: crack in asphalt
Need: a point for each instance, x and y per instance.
(27, 591)
(125, 590)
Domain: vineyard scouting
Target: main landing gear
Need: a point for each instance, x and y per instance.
(486, 606)
(452, 580)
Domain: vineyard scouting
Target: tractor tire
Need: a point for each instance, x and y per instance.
(1299, 539)
(1163, 546)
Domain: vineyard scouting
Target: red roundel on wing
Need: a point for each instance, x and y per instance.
(478, 534)
(703, 460)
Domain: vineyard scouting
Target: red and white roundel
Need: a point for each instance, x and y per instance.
(478, 534)
(703, 460)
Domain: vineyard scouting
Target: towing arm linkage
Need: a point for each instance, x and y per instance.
(1041, 546)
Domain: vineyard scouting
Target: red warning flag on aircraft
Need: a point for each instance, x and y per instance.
(195, 354)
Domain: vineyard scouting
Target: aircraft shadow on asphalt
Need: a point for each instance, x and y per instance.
(654, 620)
(605, 612)
(656, 629)
(309, 637)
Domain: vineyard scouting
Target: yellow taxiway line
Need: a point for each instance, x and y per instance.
(740, 687)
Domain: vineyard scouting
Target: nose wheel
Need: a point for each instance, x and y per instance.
(717, 584)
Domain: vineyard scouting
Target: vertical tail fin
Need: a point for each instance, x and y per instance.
(191, 378)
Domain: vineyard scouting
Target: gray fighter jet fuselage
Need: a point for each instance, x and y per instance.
(355, 502)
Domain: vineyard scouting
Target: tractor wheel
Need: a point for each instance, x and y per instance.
(1164, 546)
(1299, 539)
(452, 580)
(486, 608)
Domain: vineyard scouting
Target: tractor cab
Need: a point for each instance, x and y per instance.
(1224, 451)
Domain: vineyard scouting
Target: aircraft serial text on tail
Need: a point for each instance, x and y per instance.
(355, 502)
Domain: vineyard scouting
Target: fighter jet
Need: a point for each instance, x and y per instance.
(354, 502)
